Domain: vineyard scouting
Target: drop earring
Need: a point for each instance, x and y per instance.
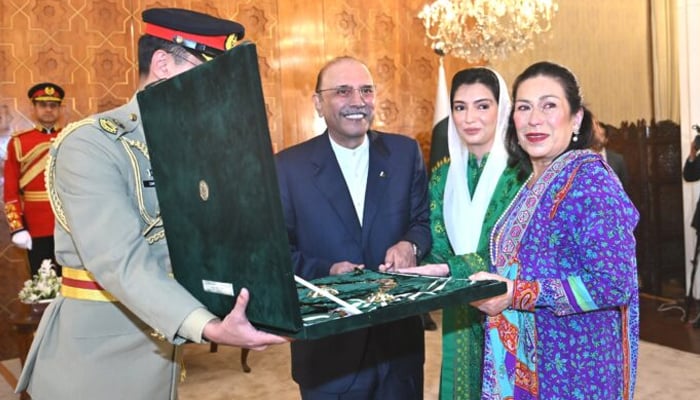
(575, 137)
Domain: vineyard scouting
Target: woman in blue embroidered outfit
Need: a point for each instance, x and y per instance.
(568, 326)
(468, 192)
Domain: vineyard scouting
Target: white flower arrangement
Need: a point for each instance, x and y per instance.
(44, 285)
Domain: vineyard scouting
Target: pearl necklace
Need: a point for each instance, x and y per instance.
(498, 230)
(540, 185)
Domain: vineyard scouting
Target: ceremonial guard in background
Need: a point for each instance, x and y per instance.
(27, 206)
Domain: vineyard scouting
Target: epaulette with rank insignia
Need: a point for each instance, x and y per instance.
(111, 125)
(116, 124)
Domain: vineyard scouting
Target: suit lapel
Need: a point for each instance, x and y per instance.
(330, 182)
(378, 178)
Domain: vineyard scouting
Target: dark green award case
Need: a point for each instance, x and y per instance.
(213, 165)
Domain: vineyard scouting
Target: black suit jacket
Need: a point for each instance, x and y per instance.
(617, 163)
(323, 229)
(691, 173)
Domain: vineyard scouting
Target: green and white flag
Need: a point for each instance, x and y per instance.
(438, 143)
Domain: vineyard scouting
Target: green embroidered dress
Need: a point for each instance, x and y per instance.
(462, 329)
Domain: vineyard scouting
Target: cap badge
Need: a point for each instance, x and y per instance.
(230, 41)
(108, 125)
(49, 90)
(178, 39)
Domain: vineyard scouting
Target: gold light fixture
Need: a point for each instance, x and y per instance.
(483, 30)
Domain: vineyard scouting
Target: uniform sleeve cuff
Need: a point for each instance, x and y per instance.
(193, 325)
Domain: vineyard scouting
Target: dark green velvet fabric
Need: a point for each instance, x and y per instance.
(408, 295)
(206, 129)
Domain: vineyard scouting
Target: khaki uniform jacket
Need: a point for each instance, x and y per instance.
(107, 222)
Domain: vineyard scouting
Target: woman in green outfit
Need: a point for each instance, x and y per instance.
(468, 192)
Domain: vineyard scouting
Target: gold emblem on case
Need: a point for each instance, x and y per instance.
(203, 190)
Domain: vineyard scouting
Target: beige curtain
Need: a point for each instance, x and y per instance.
(664, 42)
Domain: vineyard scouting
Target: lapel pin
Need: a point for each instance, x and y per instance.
(382, 174)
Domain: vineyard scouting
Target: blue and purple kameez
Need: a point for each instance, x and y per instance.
(573, 328)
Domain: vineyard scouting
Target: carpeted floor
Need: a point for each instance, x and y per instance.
(663, 373)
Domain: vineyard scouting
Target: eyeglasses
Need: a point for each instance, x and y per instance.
(345, 91)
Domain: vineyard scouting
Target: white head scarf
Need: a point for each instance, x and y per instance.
(464, 215)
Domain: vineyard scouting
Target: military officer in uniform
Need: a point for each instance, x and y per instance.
(27, 205)
(114, 331)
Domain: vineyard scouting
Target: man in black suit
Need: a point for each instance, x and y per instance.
(613, 158)
(355, 198)
(691, 173)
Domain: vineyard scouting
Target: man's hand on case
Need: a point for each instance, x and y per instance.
(236, 330)
(399, 256)
(344, 267)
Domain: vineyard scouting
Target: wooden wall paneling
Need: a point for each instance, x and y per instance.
(347, 30)
(666, 205)
(418, 77)
(86, 47)
(21, 40)
(651, 217)
(640, 195)
(630, 141)
(382, 48)
(103, 46)
(301, 49)
(261, 19)
(652, 156)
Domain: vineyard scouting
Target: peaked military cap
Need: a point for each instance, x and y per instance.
(193, 30)
(46, 91)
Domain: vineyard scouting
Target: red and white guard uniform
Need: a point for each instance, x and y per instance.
(26, 201)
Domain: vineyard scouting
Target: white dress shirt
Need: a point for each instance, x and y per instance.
(354, 164)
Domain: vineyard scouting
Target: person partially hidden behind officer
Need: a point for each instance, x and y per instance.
(27, 206)
(114, 331)
(601, 136)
